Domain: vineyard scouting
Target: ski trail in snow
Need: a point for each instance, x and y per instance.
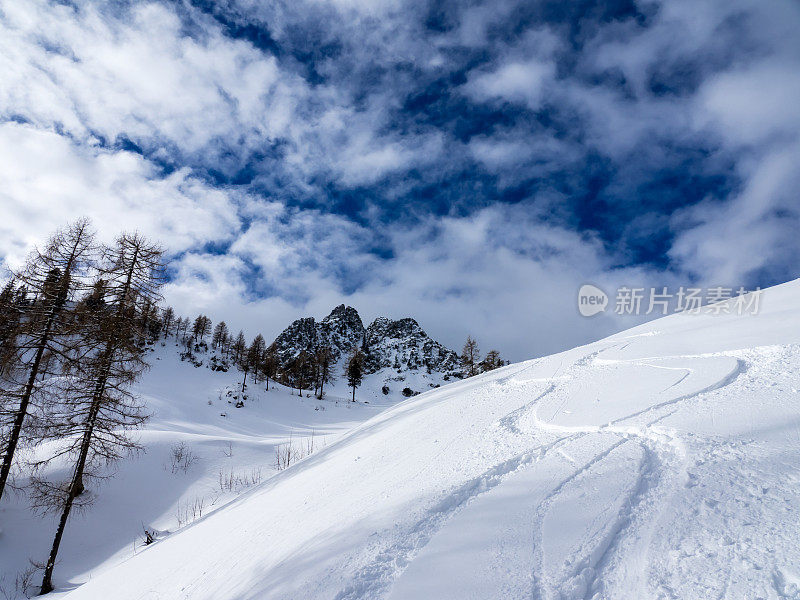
(374, 580)
(662, 470)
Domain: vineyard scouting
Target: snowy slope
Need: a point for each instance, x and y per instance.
(190, 406)
(662, 462)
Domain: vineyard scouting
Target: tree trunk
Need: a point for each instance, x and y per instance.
(75, 487)
(354, 393)
(22, 410)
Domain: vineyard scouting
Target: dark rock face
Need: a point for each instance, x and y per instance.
(342, 330)
(300, 335)
(403, 345)
(400, 345)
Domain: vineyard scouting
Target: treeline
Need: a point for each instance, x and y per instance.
(73, 329)
(309, 370)
(472, 363)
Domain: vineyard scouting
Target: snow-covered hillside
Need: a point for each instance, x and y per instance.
(226, 449)
(662, 462)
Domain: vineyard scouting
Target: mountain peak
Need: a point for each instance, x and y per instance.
(343, 312)
(399, 344)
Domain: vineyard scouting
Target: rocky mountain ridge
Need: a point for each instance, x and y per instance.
(400, 344)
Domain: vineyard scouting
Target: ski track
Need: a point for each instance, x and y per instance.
(662, 469)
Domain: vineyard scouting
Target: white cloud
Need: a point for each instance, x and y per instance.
(519, 81)
(49, 180)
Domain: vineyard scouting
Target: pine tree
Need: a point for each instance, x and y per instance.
(53, 276)
(355, 371)
(98, 406)
(469, 356)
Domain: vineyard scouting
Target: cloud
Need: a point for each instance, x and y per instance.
(522, 82)
(48, 180)
(470, 165)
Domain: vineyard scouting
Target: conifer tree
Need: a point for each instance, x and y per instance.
(255, 354)
(239, 347)
(220, 335)
(355, 370)
(53, 276)
(98, 407)
(492, 360)
(324, 360)
(469, 356)
(269, 364)
(168, 320)
(201, 328)
(10, 315)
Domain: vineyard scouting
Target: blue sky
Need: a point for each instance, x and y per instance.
(470, 164)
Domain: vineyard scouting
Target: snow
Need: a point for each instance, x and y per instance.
(187, 405)
(661, 462)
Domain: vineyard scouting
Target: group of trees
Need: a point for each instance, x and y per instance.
(471, 362)
(73, 326)
(307, 370)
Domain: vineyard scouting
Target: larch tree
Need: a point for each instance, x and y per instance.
(201, 328)
(492, 360)
(354, 371)
(239, 347)
(255, 353)
(53, 276)
(220, 335)
(10, 320)
(269, 364)
(98, 407)
(168, 320)
(324, 360)
(470, 356)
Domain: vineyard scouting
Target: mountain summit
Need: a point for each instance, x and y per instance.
(400, 344)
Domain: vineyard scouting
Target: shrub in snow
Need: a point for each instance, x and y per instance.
(181, 457)
(385, 390)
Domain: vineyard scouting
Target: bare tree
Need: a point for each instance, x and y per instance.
(220, 335)
(492, 361)
(168, 320)
(99, 407)
(269, 364)
(469, 356)
(53, 276)
(324, 361)
(252, 358)
(239, 347)
(201, 328)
